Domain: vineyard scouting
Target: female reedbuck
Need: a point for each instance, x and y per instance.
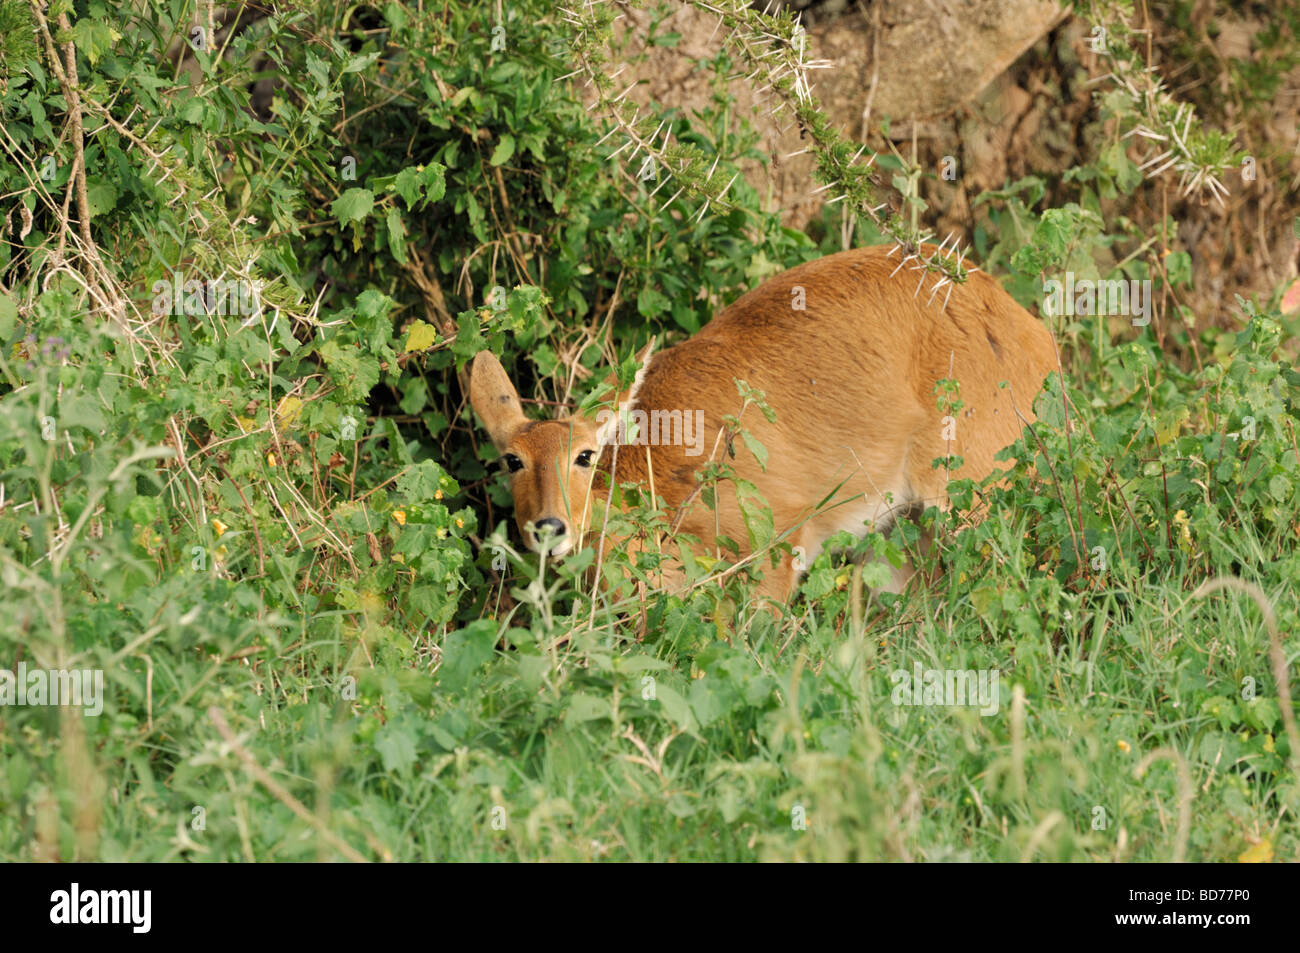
(847, 354)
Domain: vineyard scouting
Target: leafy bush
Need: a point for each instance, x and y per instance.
(275, 530)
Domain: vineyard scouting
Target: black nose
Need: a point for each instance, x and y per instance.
(550, 525)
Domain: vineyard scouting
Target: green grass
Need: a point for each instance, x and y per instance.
(286, 546)
(576, 764)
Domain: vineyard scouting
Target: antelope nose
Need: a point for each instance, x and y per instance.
(552, 526)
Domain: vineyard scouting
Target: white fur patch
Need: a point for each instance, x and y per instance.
(859, 517)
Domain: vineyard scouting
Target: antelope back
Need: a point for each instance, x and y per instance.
(847, 353)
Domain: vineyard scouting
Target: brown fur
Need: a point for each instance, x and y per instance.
(852, 381)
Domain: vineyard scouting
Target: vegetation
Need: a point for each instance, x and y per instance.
(272, 522)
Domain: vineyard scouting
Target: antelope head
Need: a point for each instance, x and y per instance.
(551, 462)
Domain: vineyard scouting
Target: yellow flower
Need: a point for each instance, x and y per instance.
(220, 527)
(270, 459)
(460, 523)
(1260, 853)
(1123, 746)
(400, 517)
(437, 494)
(288, 410)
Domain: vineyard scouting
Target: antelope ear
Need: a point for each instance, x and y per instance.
(643, 358)
(607, 421)
(494, 398)
(606, 427)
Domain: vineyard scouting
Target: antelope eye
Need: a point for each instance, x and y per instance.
(584, 458)
(513, 463)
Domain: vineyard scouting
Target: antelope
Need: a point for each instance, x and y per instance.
(847, 354)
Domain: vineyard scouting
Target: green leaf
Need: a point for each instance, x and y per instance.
(101, 195)
(876, 575)
(756, 514)
(1222, 709)
(1262, 714)
(8, 316)
(94, 38)
(396, 235)
(353, 205)
(143, 510)
(415, 395)
(359, 63)
(651, 303)
(428, 181)
(757, 449)
(395, 743)
(585, 707)
(193, 110)
(504, 150)
(423, 480)
(435, 183)
(820, 581)
(464, 651)
(706, 702)
(82, 410)
(408, 185)
(355, 372)
(469, 339)
(318, 70)
(675, 707)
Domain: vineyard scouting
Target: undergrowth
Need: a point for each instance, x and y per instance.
(280, 536)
